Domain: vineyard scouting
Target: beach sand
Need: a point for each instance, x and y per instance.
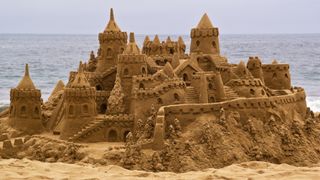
(27, 169)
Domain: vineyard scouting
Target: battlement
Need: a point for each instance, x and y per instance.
(132, 58)
(195, 32)
(80, 92)
(254, 62)
(113, 35)
(236, 104)
(17, 93)
(275, 67)
(244, 82)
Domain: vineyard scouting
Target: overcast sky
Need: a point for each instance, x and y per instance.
(161, 16)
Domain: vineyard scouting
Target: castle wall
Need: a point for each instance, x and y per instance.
(170, 92)
(248, 87)
(258, 107)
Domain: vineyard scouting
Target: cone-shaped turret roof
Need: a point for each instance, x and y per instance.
(168, 40)
(146, 40)
(132, 47)
(156, 40)
(26, 82)
(80, 80)
(59, 86)
(205, 22)
(112, 25)
(180, 41)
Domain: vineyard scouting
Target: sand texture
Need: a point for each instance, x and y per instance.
(27, 169)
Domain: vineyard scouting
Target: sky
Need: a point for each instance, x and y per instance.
(159, 17)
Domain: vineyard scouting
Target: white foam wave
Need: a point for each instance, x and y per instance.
(314, 103)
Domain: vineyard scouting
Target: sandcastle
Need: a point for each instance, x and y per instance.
(156, 92)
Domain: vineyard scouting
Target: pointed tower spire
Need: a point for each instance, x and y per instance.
(146, 40)
(112, 25)
(26, 82)
(132, 47)
(168, 40)
(156, 40)
(180, 41)
(80, 80)
(111, 15)
(205, 22)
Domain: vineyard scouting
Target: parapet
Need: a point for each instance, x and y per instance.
(275, 67)
(14, 93)
(113, 35)
(204, 32)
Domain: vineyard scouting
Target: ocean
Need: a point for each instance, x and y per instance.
(52, 57)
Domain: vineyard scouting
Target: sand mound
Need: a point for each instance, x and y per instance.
(27, 169)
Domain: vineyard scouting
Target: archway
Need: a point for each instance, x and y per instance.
(112, 136)
(98, 88)
(103, 108)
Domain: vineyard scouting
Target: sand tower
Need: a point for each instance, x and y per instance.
(79, 105)
(131, 63)
(112, 43)
(25, 106)
(205, 37)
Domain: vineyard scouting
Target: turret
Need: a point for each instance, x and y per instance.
(181, 45)
(254, 65)
(130, 63)
(112, 43)
(79, 105)
(25, 106)
(145, 48)
(205, 38)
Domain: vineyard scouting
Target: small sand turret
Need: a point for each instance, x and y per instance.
(205, 37)
(25, 106)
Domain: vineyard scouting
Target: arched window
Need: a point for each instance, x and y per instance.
(109, 52)
(112, 136)
(198, 43)
(36, 111)
(160, 101)
(143, 70)
(274, 75)
(141, 86)
(185, 77)
(126, 72)
(121, 50)
(252, 92)
(176, 97)
(85, 109)
(214, 45)
(103, 108)
(210, 86)
(71, 110)
(23, 110)
(286, 75)
(212, 99)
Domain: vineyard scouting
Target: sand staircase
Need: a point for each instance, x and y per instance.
(93, 126)
(230, 93)
(191, 95)
(109, 71)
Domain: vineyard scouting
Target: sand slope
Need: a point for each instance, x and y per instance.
(27, 169)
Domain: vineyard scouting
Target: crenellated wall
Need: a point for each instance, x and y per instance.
(259, 107)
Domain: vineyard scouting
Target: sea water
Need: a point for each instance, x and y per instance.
(52, 57)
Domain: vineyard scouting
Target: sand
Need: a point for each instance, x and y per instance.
(27, 169)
